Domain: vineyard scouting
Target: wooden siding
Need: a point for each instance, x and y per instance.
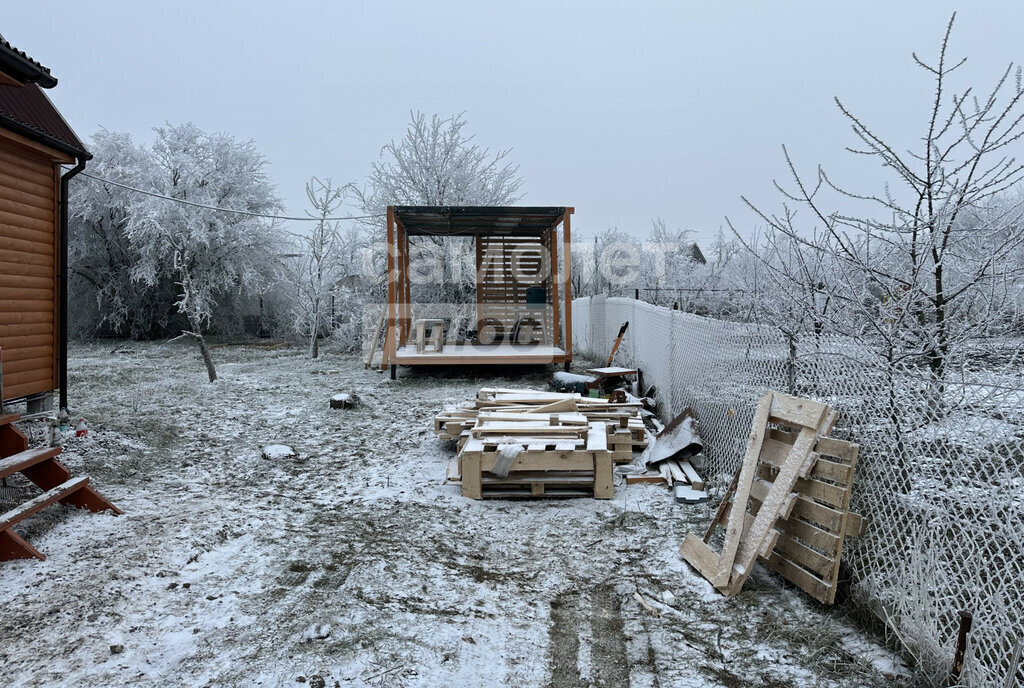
(29, 265)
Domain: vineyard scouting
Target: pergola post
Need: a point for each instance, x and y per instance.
(567, 284)
(556, 324)
(389, 336)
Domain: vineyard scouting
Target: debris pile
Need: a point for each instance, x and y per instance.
(530, 443)
(668, 459)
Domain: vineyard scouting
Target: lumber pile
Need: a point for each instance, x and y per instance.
(528, 443)
(623, 420)
(788, 505)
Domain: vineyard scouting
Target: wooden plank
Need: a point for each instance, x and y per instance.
(648, 477)
(17, 244)
(526, 429)
(10, 179)
(24, 342)
(772, 507)
(555, 323)
(806, 557)
(542, 461)
(604, 486)
(22, 165)
(26, 329)
(701, 557)
(44, 500)
(13, 141)
(8, 281)
(9, 304)
(691, 475)
(22, 460)
(823, 540)
(389, 339)
(796, 411)
(567, 283)
(20, 293)
(25, 318)
(802, 578)
(18, 219)
(597, 437)
(855, 524)
(734, 529)
(471, 475)
(677, 472)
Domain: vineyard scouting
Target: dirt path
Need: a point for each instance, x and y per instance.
(353, 564)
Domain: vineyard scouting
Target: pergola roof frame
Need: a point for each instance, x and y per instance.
(477, 221)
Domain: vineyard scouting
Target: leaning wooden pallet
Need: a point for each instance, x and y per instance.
(810, 546)
(750, 535)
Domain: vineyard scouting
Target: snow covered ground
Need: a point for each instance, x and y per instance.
(353, 564)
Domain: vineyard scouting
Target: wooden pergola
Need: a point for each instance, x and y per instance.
(523, 286)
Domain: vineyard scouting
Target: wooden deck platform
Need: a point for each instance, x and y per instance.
(470, 353)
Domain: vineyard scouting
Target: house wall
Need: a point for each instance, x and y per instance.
(29, 292)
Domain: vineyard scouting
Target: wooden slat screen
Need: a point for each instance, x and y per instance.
(508, 266)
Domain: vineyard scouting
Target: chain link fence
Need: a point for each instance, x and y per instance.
(940, 475)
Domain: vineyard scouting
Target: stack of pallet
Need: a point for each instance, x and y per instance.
(623, 420)
(525, 443)
(788, 505)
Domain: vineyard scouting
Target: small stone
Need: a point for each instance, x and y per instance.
(276, 452)
(116, 649)
(317, 681)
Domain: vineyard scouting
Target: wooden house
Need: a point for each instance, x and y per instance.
(523, 311)
(35, 146)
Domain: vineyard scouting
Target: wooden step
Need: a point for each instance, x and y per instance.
(22, 460)
(42, 501)
(8, 418)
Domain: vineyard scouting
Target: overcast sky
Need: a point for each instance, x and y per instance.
(627, 111)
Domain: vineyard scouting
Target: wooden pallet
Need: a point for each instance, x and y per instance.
(810, 544)
(751, 525)
(42, 468)
(553, 461)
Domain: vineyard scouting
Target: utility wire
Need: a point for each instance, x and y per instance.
(227, 210)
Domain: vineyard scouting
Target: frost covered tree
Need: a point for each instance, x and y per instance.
(924, 264)
(438, 163)
(206, 252)
(100, 257)
(321, 260)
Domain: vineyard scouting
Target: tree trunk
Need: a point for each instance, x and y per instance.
(197, 334)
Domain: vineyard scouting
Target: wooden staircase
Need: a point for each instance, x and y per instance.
(42, 468)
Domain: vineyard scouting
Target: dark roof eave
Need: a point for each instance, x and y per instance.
(41, 137)
(23, 68)
(467, 220)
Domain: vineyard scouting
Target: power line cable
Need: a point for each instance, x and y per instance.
(227, 210)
